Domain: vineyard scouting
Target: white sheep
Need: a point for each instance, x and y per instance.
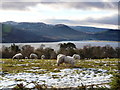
(65, 59)
(33, 56)
(17, 56)
(43, 57)
(76, 57)
(60, 59)
(26, 57)
(69, 60)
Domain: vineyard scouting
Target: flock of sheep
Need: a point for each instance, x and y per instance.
(32, 56)
(61, 58)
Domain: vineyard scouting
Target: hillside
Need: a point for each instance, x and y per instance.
(111, 35)
(91, 30)
(41, 32)
(13, 35)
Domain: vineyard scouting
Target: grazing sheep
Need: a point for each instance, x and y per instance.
(60, 59)
(17, 56)
(33, 56)
(76, 57)
(65, 59)
(43, 57)
(69, 60)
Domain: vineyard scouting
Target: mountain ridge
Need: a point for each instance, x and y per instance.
(41, 32)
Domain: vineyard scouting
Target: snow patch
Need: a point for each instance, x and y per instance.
(65, 78)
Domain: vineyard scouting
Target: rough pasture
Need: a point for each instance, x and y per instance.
(10, 66)
(34, 69)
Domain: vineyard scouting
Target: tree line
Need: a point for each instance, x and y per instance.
(88, 51)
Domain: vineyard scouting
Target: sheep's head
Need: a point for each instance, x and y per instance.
(76, 56)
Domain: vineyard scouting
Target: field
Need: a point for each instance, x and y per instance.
(27, 73)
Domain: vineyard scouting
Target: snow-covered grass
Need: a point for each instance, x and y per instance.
(65, 78)
(46, 72)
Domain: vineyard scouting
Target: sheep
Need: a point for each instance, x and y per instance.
(65, 59)
(26, 57)
(60, 59)
(33, 56)
(69, 60)
(76, 56)
(43, 57)
(17, 56)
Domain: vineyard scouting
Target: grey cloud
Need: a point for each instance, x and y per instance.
(99, 5)
(30, 0)
(22, 4)
(86, 5)
(18, 5)
(76, 5)
(113, 20)
(59, 21)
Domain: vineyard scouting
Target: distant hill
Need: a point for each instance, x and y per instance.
(14, 35)
(91, 30)
(110, 35)
(40, 32)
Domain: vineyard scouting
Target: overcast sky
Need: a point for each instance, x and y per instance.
(100, 13)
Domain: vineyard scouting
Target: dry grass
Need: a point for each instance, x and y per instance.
(16, 66)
